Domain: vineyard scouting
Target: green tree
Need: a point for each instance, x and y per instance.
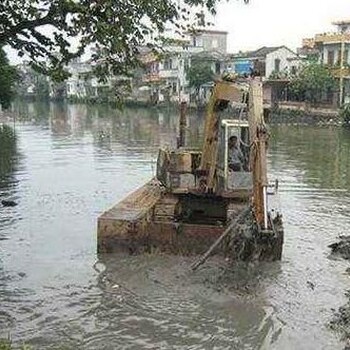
(198, 74)
(311, 82)
(8, 77)
(113, 29)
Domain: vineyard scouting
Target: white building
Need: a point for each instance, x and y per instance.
(167, 76)
(267, 61)
(281, 59)
(76, 83)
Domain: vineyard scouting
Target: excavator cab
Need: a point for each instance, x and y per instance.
(233, 180)
(207, 171)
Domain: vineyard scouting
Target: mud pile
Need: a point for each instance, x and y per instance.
(341, 248)
(246, 242)
(341, 319)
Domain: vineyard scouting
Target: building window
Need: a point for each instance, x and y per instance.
(154, 67)
(338, 58)
(214, 44)
(346, 57)
(330, 58)
(174, 87)
(186, 63)
(277, 65)
(217, 68)
(168, 64)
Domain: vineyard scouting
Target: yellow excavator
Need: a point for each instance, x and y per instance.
(198, 199)
(207, 174)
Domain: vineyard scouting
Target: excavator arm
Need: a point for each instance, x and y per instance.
(225, 92)
(258, 136)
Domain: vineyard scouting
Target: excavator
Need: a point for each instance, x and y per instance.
(197, 198)
(212, 177)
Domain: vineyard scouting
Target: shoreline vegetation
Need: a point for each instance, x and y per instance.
(285, 113)
(6, 344)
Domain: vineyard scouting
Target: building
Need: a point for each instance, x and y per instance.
(31, 83)
(266, 61)
(76, 84)
(209, 40)
(165, 74)
(163, 77)
(308, 49)
(333, 51)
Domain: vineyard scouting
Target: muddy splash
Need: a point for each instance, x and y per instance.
(341, 320)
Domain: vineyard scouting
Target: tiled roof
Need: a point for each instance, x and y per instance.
(260, 53)
(265, 50)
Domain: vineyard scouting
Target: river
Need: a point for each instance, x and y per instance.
(72, 162)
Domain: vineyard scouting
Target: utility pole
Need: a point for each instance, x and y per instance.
(341, 77)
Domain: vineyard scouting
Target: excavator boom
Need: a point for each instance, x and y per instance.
(223, 93)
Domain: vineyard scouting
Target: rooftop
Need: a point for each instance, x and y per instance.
(342, 22)
(207, 31)
(265, 50)
(262, 52)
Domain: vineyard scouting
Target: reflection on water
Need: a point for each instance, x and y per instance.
(9, 157)
(323, 154)
(77, 160)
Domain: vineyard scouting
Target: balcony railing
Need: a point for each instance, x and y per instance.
(169, 73)
(337, 71)
(151, 78)
(332, 38)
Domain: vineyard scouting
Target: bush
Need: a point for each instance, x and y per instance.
(6, 344)
(345, 114)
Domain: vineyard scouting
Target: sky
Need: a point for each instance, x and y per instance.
(272, 22)
(277, 22)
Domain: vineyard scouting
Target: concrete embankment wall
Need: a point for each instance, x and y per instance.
(301, 113)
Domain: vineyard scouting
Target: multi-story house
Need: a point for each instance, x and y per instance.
(76, 84)
(83, 83)
(209, 40)
(166, 74)
(332, 49)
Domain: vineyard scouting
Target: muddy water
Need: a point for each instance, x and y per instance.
(69, 163)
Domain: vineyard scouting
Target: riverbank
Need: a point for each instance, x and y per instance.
(290, 113)
(7, 345)
(309, 116)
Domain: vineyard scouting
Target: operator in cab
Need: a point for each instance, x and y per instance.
(235, 155)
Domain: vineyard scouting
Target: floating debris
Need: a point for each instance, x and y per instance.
(341, 248)
(8, 203)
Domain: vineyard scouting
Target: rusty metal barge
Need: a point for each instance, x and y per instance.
(198, 196)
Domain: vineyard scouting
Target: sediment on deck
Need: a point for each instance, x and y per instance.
(150, 219)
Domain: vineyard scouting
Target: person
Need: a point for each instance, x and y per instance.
(235, 155)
